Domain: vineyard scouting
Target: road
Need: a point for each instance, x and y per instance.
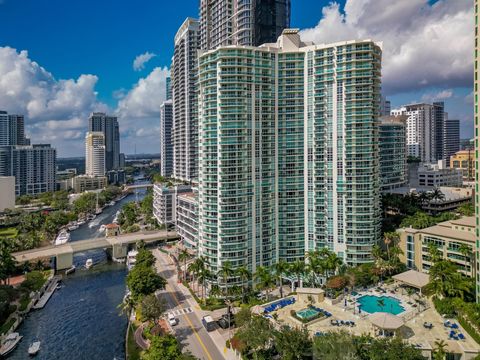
(189, 329)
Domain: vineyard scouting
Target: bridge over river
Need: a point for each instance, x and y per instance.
(119, 244)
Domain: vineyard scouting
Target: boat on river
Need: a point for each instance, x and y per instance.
(102, 228)
(131, 259)
(34, 348)
(62, 238)
(74, 226)
(111, 203)
(11, 341)
(70, 270)
(88, 264)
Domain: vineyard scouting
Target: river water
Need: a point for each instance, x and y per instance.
(81, 320)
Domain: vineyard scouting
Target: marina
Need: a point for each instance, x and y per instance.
(40, 304)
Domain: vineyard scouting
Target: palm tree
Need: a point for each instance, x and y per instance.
(126, 306)
(440, 352)
(434, 253)
(7, 261)
(244, 274)
(225, 272)
(377, 252)
(389, 238)
(194, 269)
(466, 251)
(184, 256)
(333, 262)
(203, 276)
(437, 194)
(264, 279)
(297, 268)
(280, 269)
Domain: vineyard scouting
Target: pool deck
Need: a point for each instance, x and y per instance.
(413, 331)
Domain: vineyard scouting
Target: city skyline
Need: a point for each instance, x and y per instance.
(129, 81)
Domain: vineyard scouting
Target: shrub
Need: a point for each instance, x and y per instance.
(337, 282)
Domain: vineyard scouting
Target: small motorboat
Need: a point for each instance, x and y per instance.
(10, 342)
(111, 203)
(81, 222)
(72, 227)
(70, 270)
(91, 216)
(34, 348)
(62, 238)
(102, 228)
(88, 263)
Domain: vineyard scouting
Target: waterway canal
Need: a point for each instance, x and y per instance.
(81, 320)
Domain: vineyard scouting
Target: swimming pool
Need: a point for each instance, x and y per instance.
(308, 313)
(371, 304)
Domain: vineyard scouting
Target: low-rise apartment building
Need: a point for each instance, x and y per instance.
(455, 239)
(187, 219)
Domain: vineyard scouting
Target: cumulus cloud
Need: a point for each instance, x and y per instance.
(50, 105)
(439, 96)
(141, 60)
(424, 45)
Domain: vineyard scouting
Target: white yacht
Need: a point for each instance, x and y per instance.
(62, 238)
(11, 341)
(74, 226)
(81, 221)
(131, 259)
(34, 348)
(91, 216)
(88, 263)
(111, 203)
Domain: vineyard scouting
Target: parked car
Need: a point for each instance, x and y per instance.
(172, 320)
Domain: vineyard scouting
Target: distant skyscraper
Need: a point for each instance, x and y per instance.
(425, 124)
(168, 86)
(166, 146)
(184, 92)
(288, 156)
(242, 22)
(451, 139)
(385, 107)
(121, 162)
(95, 153)
(34, 167)
(108, 125)
(393, 151)
(12, 130)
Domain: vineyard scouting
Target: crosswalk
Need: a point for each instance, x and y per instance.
(182, 311)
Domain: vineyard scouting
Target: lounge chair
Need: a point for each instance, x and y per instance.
(447, 323)
(461, 336)
(454, 326)
(352, 322)
(451, 334)
(342, 322)
(334, 322)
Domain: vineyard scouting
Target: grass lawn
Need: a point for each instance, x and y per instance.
(9, 232)
(24, 301)
(133, 351)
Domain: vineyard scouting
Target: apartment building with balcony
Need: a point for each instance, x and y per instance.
(288, 151)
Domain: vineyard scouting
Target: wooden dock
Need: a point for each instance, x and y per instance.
(48, 293)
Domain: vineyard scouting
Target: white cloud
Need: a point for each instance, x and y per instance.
(439, 96)
(50, 105)
(141, 60)
(423, 45)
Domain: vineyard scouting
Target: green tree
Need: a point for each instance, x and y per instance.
(143, 280)
(183, 257)
(126, 306)
(257, 335)
(335, 346)
(264, 279)
(245, 275)
(7, 262)
(163, 347)
(293, 344)
(439, 352)
(145, 257)
(226, 271)
(152, 308)
(280, 270)
(466, 251)
(298, 269)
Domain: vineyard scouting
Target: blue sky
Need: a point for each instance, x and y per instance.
(74, 39)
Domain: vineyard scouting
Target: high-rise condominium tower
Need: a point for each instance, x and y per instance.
(242, 22)
(288, 151)
(451, 139)
(184, 93)
(392, 148)
(166, 147)
(95, 153)
(12, 130)
(425, 130)
(477, 135)
(34, 167)
(108, 125)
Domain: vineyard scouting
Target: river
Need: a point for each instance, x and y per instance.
(81, 320)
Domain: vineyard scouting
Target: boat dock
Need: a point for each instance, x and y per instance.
(48, 293)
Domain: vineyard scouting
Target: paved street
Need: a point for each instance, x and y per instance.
(189, 330)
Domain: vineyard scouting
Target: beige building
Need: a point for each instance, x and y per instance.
(83, 183)
(455, 239)
(7, 192)
(464, 160)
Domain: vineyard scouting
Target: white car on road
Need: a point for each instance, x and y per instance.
(172, 320)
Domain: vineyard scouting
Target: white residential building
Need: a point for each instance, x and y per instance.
(95, 153)
(7, 192)
(165, 202)
(430, 175)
